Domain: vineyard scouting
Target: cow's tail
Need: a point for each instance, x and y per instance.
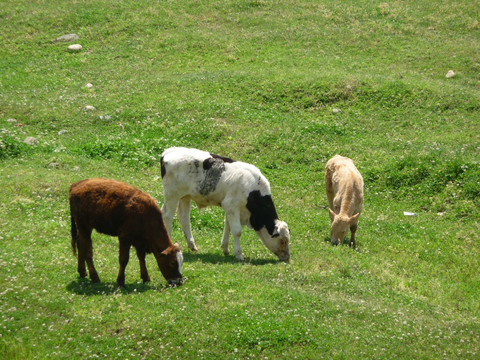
(74, 234)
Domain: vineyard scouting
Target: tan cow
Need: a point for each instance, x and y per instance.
(344, 185)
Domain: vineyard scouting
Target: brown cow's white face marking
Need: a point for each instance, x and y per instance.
(180, 261)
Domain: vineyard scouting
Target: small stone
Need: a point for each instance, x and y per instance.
(12, 121)
(61, 132)
(89, 86)
(75, 47)
(67, 38)
(336, 111)
(89, 108)
(450, 74)
(54, 165)
(30, 141)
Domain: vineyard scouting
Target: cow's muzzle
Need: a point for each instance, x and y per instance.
(175, 282)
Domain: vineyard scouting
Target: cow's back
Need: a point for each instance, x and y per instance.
(346, 182)
(107, 205)
(343, 171)
(208, 178)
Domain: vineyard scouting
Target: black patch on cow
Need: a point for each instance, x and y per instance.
(162, 167)
(213, 170)
(225, 159)
(262, 210)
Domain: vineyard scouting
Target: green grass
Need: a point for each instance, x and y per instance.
(256, 81)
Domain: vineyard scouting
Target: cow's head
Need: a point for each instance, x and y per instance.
(279, 241)
(340, 226)
(170, 263)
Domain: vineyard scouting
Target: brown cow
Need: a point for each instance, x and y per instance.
(344, 185)
(118, 209)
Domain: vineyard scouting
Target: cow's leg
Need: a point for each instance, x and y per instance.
(226, 237)
(143, 267)
(233, 218)
(82, 271)
(168, 210)
(123, 257)
(353, 230)
(184, 207)
(81, 254)
(85, 254)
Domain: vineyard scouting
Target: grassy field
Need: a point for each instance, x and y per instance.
(256, 81)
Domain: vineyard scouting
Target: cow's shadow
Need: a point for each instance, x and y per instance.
(215, 258)
(345, 242)
(84, 286)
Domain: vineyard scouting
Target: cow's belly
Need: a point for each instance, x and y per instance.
(206, 201)
(245, 218)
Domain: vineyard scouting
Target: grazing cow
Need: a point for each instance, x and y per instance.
(239, 188)
(118, 209)
(344, 185)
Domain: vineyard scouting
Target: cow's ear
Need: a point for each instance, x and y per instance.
(332, 214)
(353, 218)
(166, 251)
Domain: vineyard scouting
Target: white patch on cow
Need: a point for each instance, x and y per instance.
(180, 261)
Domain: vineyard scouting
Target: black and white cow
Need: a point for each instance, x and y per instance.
(239, 188)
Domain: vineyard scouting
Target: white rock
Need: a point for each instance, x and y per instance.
(408, 213)
(61, 132)
(89, 108)
(12, 121)
(450, 74)
(68, 37)
(75, 47)
(88, 86)
(54, 165)
(30, 141)
(336, 111)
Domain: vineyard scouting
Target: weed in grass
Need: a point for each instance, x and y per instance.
(11, 147)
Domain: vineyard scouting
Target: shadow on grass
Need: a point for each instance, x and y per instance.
(84, 286)
(345, 242)
(224, 259)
